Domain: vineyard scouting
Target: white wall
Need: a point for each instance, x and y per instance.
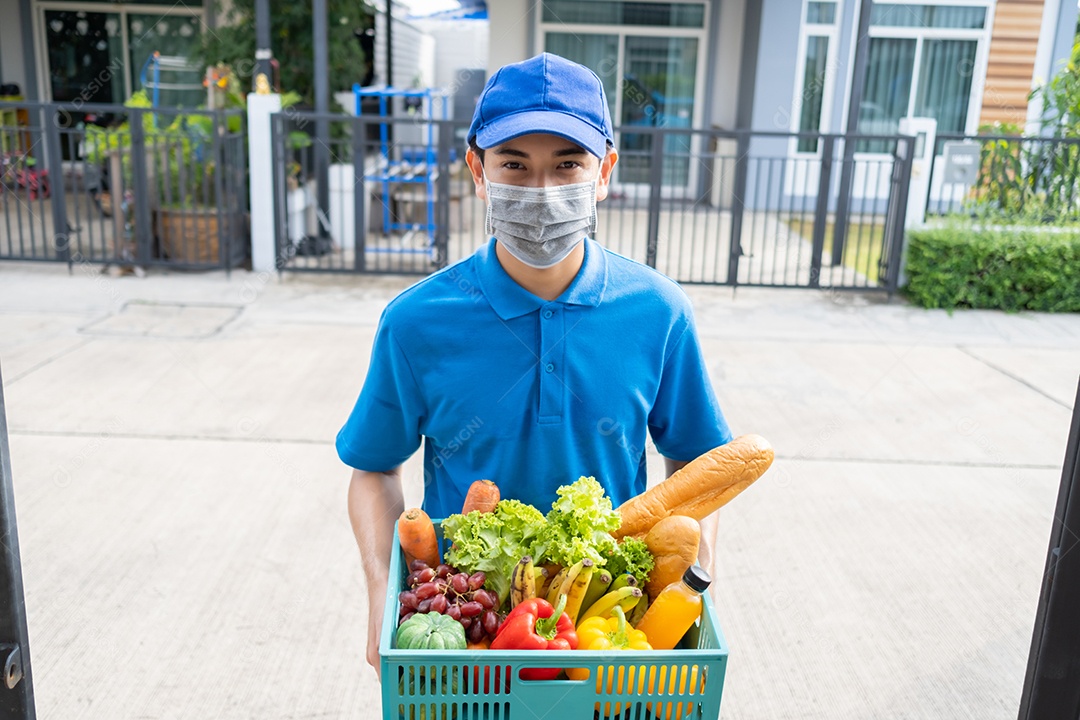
(459, 45)
(413, 53)
(509, 25)
(725, 76)
(12, 67)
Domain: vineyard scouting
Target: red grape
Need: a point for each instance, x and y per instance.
(426, 575)
(453, 612)
(408, 599)
(471, 609)
(424, 606)
(439, 604)
(475, 633)
(443, 571)
(484, 598)
(417, 564)
(490, 621)
(404, 611)
(465, 622)
(476, 580)
(426, 591)
(411, 580)
(405, 617)
(460, 583)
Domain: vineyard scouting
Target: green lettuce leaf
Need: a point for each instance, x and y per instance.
(631, 556)
(493, 542)
(579, 525)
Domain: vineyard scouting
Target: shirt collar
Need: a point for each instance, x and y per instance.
(510, 300)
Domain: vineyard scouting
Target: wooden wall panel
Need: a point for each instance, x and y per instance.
(1013, 42)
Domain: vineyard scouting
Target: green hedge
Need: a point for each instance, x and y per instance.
(961, 266)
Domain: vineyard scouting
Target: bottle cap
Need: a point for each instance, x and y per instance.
(697, 579)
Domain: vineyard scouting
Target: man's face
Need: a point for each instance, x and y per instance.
(540, 160)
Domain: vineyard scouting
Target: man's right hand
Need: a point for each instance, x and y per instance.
(376, 605)
(375, 502)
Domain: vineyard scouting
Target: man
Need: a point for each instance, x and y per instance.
(543, 356)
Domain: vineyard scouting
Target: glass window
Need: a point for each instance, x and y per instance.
(929, 16)
(173, 36)
(887, 90)
(813, 93)
(688, 15)
(821, 13)
(945, 82)
(86, 58)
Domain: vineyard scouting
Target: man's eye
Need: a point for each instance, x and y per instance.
(569, 165)
(512, 165)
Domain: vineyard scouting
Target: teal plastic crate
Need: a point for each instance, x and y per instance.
(681, 684)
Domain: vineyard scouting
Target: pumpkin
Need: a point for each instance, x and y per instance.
(430, 631)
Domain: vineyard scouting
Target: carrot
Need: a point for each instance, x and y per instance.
(416, 533)
(483, 495)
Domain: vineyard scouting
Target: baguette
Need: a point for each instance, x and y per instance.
(704, 485)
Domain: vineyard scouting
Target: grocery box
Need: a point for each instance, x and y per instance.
(681, 684)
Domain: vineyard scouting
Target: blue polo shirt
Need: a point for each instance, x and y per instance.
(501, 384)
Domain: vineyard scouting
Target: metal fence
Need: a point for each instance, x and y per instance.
(1030, 178)
(701, 206)
(109, 184)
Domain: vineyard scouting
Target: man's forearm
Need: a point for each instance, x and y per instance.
(375, 502)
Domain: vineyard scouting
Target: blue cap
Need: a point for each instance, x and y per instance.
(544, 94)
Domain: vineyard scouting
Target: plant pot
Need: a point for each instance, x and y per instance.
(190, 235)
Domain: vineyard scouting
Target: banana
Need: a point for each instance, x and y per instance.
(552, 588)
(576, 596)
(598, 585)
(541, 578)
(523, 582)
(635, 615)
(606, 604)
(624, 580)
(563, 588)
(629, 603)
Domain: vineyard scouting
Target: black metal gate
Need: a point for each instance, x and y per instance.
(112, 184)
(701, 206)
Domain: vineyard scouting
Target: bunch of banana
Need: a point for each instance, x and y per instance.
(625, 597)
(598, 585)
(523, 582)
(561, 583)
(635, 615)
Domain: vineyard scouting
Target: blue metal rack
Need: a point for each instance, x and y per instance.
(406, 164)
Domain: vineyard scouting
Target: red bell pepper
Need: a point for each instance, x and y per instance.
(535, 625)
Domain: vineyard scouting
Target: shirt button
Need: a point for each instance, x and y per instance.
(548, 314)
(550, 367)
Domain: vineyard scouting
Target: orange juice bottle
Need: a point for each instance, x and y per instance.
(675, 609)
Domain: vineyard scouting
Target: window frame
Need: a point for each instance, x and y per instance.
(806, 31)
(542, 27)
(981, 36)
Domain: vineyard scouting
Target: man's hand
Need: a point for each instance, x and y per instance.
(375, 502)
(376, 606)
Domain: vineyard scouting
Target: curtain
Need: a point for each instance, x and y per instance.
(887, 89)
(945, 82)
(813, 90)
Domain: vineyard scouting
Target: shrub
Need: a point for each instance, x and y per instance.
(965, 266)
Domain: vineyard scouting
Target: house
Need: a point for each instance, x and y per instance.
(787, 65)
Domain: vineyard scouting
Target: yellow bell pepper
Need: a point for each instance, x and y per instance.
(612, 633)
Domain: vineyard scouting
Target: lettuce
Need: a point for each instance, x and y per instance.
(579, 525)
(493, 542)
(631, 556)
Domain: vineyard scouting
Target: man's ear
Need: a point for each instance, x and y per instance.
(606, 166)
(476, 166)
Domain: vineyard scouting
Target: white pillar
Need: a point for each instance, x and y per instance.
(261, 182)
(925, 132)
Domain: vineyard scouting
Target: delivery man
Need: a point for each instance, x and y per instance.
(543, 356)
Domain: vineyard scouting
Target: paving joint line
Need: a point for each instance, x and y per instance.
(915, 461)
(48, 361)
(1013, 376)
(162, 436)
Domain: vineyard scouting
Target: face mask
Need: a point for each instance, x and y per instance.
(540, 226)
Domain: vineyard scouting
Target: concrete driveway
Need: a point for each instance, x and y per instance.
(187, 554)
